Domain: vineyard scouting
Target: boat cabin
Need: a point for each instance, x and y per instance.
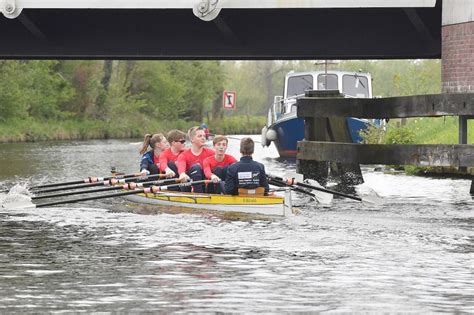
(351, 84)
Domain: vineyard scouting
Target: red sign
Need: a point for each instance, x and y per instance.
(229, 99)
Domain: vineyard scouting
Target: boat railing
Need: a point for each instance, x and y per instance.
(278, 108)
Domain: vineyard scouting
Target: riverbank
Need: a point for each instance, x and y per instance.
(31, 130)
(428, 130)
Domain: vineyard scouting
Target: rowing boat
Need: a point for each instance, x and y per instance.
(249, 204)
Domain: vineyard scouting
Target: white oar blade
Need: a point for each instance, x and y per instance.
(369, 195)
(297, 176)
(321, 197)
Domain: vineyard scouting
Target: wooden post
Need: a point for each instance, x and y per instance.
(333, 129)
(315, 129)
(462, 129)
(346, 174)
(462, 137)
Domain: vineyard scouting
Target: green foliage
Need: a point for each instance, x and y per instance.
(238, 125)
(403, 135)
(84, 76)
(47, 90)
(32, 89)
(372, 135)
(439, 130)
(13, 100)
(83, 99)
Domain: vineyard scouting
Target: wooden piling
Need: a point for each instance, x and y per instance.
(332, 129)
(332, 146)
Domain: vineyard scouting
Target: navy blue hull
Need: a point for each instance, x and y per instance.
(290, 131)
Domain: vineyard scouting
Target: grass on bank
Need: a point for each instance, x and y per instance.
(30, 130)
(426, 130)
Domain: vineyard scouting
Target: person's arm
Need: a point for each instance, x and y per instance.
(145, 164)
(207, 168)
(181, 165)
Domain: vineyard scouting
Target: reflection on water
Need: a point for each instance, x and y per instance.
(412, 253)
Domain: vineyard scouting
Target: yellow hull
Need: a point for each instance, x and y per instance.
(266, 205)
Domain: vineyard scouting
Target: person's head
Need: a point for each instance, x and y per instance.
(155, 141)
(203, 126)
(197, 136)
(220, 144)
(176, 139)
(247, 146)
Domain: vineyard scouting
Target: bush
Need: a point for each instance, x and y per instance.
(403, 135)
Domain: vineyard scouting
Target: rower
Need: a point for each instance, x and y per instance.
(168, 157)
(215, 167)
(150, 159)
(190, 161)
(246, 176)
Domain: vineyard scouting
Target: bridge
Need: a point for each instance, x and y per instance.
(220, 29)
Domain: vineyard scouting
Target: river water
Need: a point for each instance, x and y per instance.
(411, 253)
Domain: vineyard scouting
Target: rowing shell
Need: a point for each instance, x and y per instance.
(264, 205)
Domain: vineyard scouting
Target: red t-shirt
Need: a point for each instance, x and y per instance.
(211, 163)
(187, 159)
(166, 156)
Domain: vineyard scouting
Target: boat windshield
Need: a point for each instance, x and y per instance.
(327, 82)
(297, 85)
(355, 86)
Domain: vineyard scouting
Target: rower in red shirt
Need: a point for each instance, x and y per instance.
(168, 157)
(190, 161)
(215, 166)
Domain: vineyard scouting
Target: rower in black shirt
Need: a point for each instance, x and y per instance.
(246, 173)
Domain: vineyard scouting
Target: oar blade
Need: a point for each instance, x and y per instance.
(369, 196)
(321, 197)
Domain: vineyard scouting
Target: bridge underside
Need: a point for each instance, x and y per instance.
(235, 34)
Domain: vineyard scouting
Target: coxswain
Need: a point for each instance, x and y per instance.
(246, 174)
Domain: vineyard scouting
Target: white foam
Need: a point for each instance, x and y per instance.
(17, 198)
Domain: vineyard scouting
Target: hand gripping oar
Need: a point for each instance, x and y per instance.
(147, 190)
(294, 182)
(125, 186)
(91, 179)
(110, 182)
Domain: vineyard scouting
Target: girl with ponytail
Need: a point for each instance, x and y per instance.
(149, 163)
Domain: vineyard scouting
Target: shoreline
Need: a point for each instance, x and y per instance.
(30, 130)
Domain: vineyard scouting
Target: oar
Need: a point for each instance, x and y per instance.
(126, 186)
(91, 179)
(147, 190)
(336, 193)
(282, 184)
(110, 182)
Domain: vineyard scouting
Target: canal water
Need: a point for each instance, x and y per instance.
(413, 252)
